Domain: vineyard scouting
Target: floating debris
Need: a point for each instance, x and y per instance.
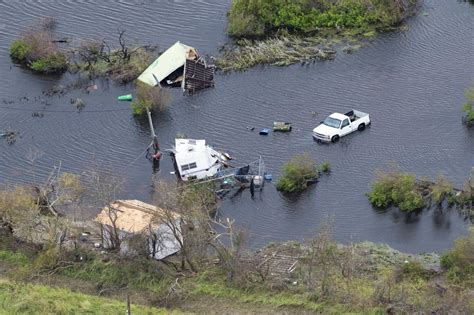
(78, 103)
(37, 114)
(9, 135)
(125, 98)
(264, 132)
(91, 88)
(282, 126)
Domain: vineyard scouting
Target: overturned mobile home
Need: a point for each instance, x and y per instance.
(129, 219)
(194, 159)
(180, 65)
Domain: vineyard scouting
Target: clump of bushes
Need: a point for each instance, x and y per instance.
(259, 18)
(155, 99)
(398, 189)
(467, 108)
(122, 65)
(441, 189)
(325, 167)
(459, 261)
(298, 173)
(36, 49)
(414, 270)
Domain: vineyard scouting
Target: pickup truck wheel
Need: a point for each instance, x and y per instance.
(361, 127)
(335, 139)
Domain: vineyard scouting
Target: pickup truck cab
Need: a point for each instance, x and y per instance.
(338, 125)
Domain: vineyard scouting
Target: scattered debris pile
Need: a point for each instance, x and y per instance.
(180, 65)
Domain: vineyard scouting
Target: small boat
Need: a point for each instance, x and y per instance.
(282, 126)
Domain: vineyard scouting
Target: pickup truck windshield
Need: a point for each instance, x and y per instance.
(332, 122)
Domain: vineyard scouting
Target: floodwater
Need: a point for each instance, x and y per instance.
(410, 82)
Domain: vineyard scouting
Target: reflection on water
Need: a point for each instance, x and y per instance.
(410, 82)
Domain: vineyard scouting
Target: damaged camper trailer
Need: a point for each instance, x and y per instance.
(180, 65)
(195, 160)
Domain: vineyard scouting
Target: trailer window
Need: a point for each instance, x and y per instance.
(189, 166)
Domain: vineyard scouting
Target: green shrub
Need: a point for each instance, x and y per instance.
(441, 190)
(459, 261)
(398, 189)
(54, 63)
(469, 118)
(296, 173)
(37, 50)
(467, 107)
(325, 167)
(259, 17)
(414, 270)
(20, 50)
(151, 98)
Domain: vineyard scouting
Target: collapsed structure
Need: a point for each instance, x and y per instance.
(127, 219)
(180, 65)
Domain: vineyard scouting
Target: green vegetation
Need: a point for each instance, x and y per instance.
(155, 99)
(259, 18)
(397, 189)
(459, 261)
(441, 190)
(284, 32)
(329, 278)
(20, 298)
(132, 272)
(467, 107)
(36, 50)
(14, 258)
(122, 65)
(325, 167)
(405, 191)
(298, 173)
(325, 277)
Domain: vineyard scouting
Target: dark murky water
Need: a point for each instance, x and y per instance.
(410, 82)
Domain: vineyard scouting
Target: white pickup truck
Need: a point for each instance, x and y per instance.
(338, 125)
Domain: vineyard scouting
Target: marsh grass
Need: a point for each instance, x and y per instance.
(276, 51)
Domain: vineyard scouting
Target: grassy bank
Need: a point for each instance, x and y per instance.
(20, 298)
(330, 279)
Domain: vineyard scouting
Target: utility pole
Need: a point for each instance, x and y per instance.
(156, 146)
